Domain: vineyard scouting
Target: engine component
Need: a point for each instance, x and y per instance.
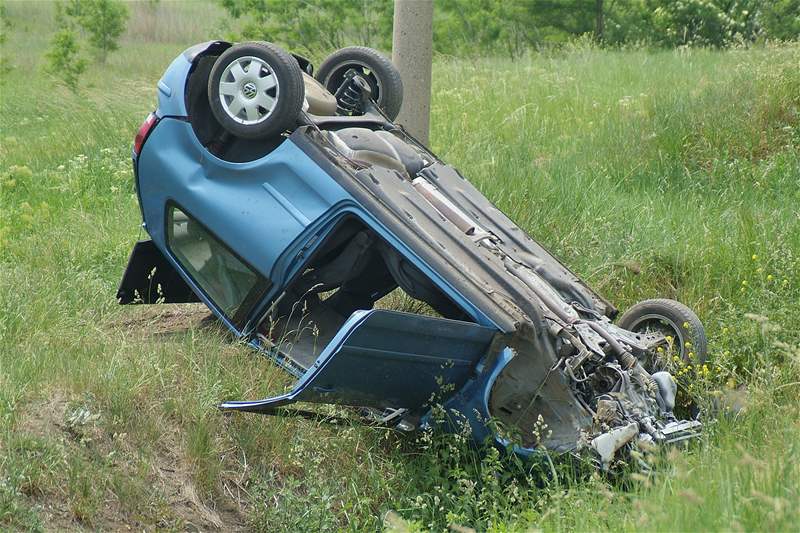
(607, 444)
(667, 389)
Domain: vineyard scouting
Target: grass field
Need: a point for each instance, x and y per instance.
(673, 173)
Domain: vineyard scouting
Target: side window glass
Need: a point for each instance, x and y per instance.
(225, 278)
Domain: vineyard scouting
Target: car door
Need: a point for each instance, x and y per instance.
(387, 359)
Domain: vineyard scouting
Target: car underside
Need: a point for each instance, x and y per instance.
(300, 239)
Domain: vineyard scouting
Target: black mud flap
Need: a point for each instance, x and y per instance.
(149, 278)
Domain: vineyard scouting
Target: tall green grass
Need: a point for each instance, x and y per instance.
(651, 174)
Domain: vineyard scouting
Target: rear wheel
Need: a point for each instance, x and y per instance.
(255, 90)
(380, 73)
(684, 333)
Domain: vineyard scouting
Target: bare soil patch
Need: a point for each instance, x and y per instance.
(155, 320)
(168, 473)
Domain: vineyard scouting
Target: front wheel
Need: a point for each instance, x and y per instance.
(255, 90)
(684, 333)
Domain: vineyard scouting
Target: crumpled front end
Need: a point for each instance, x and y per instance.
(580, 386)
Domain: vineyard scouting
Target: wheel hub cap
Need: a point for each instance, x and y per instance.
(249, 90)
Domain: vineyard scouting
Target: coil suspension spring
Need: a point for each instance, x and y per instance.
(350, 94)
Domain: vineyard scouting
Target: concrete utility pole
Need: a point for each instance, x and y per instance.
(412, 54)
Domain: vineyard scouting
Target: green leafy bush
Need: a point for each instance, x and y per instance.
(103, 20)
(64, 59)
(475, 27)
(4, 27)
(314, 26)
(781, 19)
(705, 23)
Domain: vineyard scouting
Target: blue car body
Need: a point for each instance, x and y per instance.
(259, 225)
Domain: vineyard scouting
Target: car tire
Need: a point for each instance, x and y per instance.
(674, 319)
(381, 74)
(256, 90)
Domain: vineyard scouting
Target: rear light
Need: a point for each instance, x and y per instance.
(144, 131)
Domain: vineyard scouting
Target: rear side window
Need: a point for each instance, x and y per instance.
(223, 276)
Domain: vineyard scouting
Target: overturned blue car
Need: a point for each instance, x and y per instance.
(289, 202)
